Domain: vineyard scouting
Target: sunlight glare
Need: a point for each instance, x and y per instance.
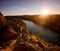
(45, 12)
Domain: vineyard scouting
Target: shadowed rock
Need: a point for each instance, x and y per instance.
(6, 32)
(23, 47)
(24, 41)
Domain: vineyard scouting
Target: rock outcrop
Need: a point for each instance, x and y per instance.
(14, 36)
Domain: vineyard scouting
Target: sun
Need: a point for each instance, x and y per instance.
(45, 12)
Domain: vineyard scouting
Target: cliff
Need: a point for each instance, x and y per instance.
(14, 36)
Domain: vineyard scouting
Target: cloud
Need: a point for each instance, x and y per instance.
(20, 8)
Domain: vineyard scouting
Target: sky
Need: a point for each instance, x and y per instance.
(27, 7)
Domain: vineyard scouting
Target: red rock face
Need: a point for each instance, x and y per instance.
(2, 19)
(24, 41)
(6, 31)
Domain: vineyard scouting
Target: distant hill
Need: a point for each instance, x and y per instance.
(52, 22)
(14, 36)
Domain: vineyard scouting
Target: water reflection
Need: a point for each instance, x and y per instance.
(48, 35)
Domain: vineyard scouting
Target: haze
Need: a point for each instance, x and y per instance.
(29, 7)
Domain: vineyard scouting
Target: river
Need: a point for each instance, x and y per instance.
(48, 35)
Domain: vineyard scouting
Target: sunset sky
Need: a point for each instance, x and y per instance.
(27, 7)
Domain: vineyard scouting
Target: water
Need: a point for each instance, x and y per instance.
(48, 35)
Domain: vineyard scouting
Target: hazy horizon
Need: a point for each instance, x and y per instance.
(29, 7)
